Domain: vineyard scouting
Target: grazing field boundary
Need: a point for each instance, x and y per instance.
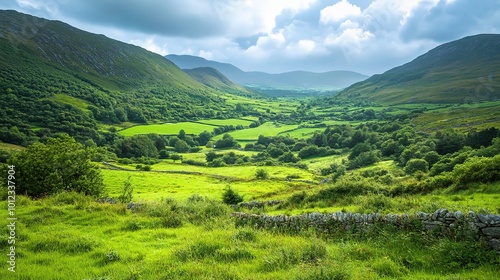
(484, 227)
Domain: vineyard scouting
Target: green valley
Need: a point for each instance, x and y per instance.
(119, 165)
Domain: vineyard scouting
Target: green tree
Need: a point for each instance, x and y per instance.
(137, 146)
(231, 197)
(204, 137)
(60, 165)
(182, 134)
(416, 164)
(288, 157)
(227, 141)
(358, 149)
(181, 146)
(175, 157)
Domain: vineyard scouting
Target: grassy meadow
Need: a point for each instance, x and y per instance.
(266, 129)
(178, 227)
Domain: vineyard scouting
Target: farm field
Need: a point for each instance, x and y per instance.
(266, 129)
(153, 186)
(167, 128)
(195, 127)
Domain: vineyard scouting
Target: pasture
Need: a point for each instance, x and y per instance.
(266, 129)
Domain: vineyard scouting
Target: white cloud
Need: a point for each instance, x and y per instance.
(150, 44)
(206, 54)
(266, 44)
(340, 11)
(365, 36)
(301, 48)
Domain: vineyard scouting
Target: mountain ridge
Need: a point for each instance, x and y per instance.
(334, 80)
(58, 78)
(213, 78)
(459, 71)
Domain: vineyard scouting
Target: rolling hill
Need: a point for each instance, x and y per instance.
(290, 81)
(462, 71)
(211, 77)
(57, 77)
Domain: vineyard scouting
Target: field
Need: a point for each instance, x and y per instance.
(196, 127)
(71, 236)
(266, 129)
(178, 228)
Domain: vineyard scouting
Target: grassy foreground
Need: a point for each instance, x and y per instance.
(70, 236)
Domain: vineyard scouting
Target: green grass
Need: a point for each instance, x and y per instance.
(316, 164)
(302, 133)
(10, 147)
(226, 122)
(167, 128)
(211, 183)
(189, 127)
(68, 236)
(78, 103)
(462, 117)
(266, 129)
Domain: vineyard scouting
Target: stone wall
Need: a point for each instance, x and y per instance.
(471, 225)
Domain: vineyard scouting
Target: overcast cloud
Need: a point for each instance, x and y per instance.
(367, 36)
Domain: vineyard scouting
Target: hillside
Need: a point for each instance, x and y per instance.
(216, 80)
(57, 77)
(461, 71)
(289, 81)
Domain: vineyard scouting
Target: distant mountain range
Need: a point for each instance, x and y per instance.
(291, 81)
(466, 70)
(211, 77)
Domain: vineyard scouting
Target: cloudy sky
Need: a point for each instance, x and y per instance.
(367, 36)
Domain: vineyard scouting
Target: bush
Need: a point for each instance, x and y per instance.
(231, 197)
(60, 165)
(482, 170)
(126, 195)
(261, 174)
(452, 256)
(194, 162)
(416, 164)
(363, 159)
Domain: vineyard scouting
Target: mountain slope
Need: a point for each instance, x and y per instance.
(216, 80)
(465, 70)
(332, 80)
(46, 67)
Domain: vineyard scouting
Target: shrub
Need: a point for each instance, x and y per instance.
(483, 170)
(194, 162)
(416, 164)
(261, 174)
(126, 195)
(451, 255)
(363, 159)
(231, 197)
(60, 165)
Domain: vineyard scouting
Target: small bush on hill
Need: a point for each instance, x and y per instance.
(231, 197)
(261, 174)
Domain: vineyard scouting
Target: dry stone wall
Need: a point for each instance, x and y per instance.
(470, 225)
